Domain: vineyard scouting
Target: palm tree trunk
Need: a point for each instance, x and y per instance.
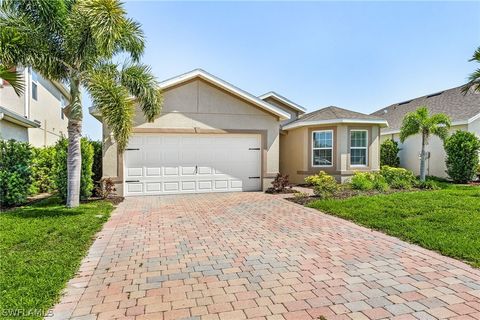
(74, 163)
(74, 156)
(422, 158)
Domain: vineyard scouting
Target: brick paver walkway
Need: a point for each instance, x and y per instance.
(256, 256)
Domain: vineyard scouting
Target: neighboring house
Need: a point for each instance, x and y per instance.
(332, 139)
(464, 111)
(211, 137)
(36, 116)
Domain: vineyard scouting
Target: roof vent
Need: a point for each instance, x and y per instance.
(434, 94)
(385, 110)
(404, 102)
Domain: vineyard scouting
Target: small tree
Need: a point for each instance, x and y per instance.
(462, 156)
(420, 122)
(389, 153)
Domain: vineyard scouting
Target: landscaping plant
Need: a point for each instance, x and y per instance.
(324, 185)
(76, 43)
(398, 178)
(462, 156)
(43, 170)
(474, 77)
(15, 172)
(97, 164)
(389, 153)
(420, 122)
(280, 183)
(369, 181)
(86, 185)
(106, 188)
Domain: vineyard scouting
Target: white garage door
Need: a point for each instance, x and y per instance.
(192, 163)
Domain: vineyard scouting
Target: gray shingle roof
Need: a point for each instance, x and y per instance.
(332, 113)
(452, 102)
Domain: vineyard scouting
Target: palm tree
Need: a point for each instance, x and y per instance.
(474, 78)
(77, 42)
(13, 77)
(419, 121)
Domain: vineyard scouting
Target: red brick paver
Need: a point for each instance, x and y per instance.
(257, 256)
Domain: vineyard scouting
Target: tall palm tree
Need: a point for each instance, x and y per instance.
(420, 122)
(474, 78)
(77, 42)
(13, 77)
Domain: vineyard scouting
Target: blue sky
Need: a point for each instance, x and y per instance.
(356, 55)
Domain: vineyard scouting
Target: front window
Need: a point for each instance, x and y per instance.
(358, 147)
(34, 85)
(322, 148)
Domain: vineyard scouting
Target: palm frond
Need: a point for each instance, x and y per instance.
(141, 83)
(14, 78)
(115, 104)
(411, 125)
(473, 82)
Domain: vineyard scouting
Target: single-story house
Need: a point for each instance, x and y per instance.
(212, 136)
(463, 109)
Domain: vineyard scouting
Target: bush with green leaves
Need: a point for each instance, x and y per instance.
(97, 164)
(398, 178)
(15, 172)
(462, 156)
(86, 181)
(389, 153)
(324, 185)
(428, 184)
(43, 170)
(368, 181)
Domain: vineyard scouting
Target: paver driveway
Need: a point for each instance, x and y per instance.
(252, 255)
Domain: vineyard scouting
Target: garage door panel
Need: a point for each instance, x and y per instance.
(175, 163)
(153, 172)
(170, 171)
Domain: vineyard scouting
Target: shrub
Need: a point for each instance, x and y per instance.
(428, 185)
(389, 153)
(369, 181)
(43, 170)
(462, 156)
(15, 172)
(398, 178)
(280, 182)
(86, 182)
(97, 165)
(106, 188)
(324, 185)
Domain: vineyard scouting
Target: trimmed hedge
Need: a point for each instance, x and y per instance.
(389, 153)
(398, 178)
(462, 156)
(369, 181)
(15, 172)
(86, 181)
(43, 170)
(97, 164)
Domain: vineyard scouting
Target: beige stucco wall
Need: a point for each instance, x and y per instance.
(410, 151)
(46, 110)
(9, 130)
(198, 104)
(293, 113)
(295, 152)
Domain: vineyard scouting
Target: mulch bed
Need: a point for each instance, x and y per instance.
(346, 193)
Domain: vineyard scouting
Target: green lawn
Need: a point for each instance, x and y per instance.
(446, 220)
(41, 247)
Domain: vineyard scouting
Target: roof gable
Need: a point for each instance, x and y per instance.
(283, 101)
(201, 74)
(331, 115)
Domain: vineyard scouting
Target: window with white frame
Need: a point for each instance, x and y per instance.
(358, 147)
(34, 85)
(322, 148)
(62, 105)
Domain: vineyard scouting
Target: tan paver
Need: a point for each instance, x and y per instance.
(252, 255)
